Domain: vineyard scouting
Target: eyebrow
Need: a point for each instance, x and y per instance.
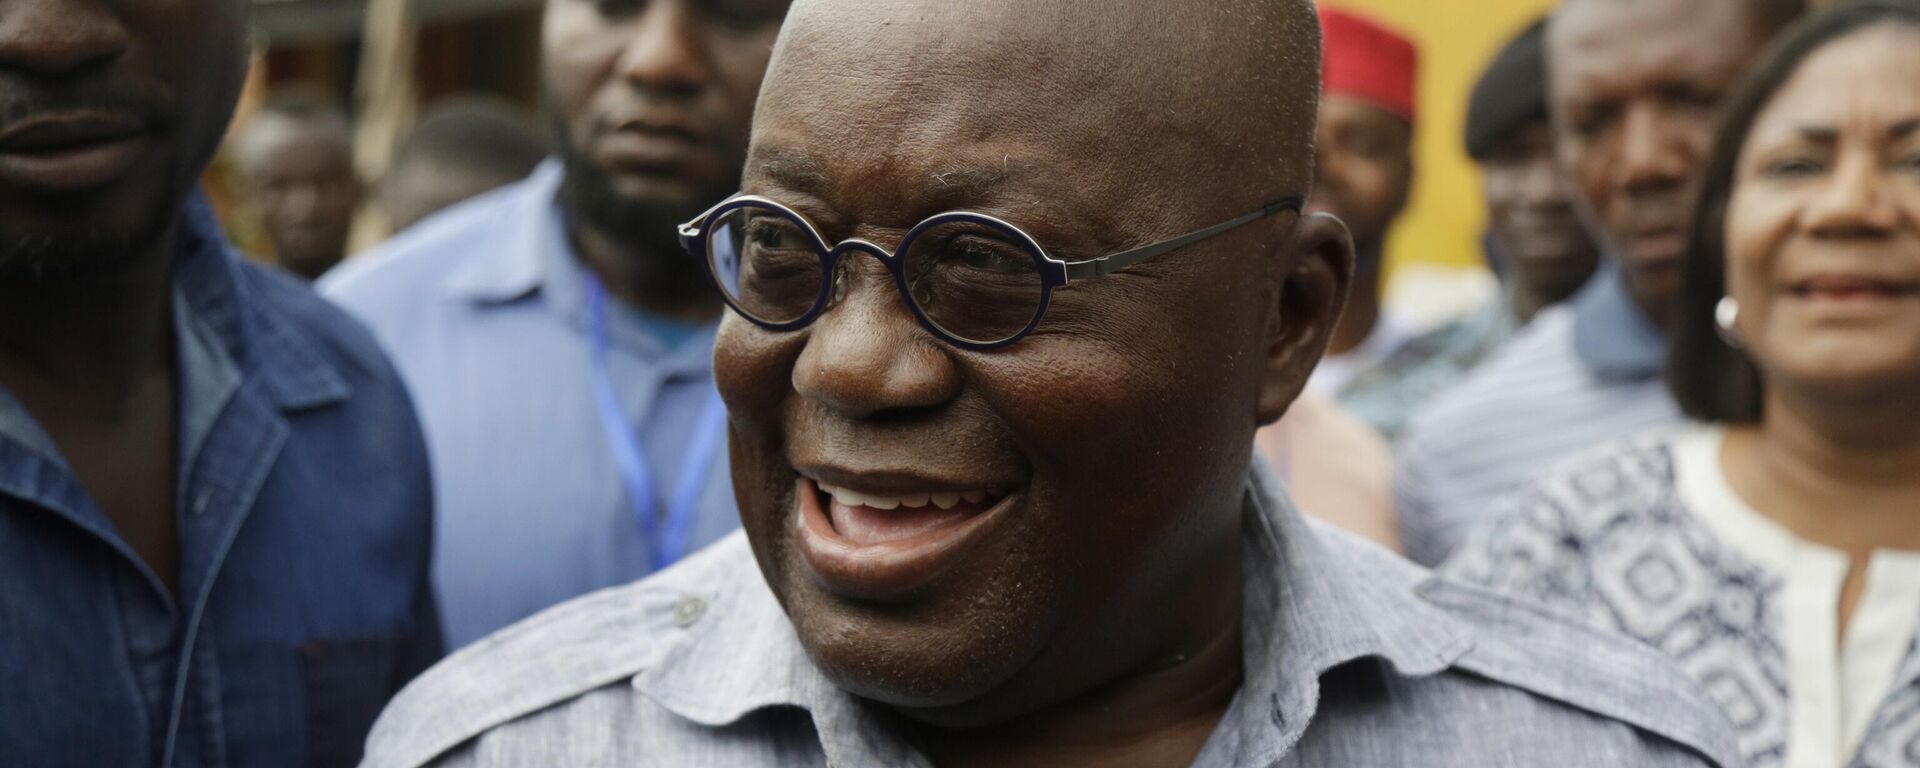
(1827, 135)
(1904, 128)
(970, 182)
(794, 169)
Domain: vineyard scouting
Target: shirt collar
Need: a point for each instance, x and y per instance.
(1611, 336)
(221, 333)
(538, 257)
(1309, 609)
(535, 232)
(259, 339)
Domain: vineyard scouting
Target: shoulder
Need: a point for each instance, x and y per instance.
(1534, 680)
(1566, 664)
(421, 262)
(289, 306)
(1541, 355)
(557, 656)
(1539, 537)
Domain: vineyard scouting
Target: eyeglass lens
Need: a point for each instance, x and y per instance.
(969, 278)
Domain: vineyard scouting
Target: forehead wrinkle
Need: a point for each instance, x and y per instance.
(1591, 39)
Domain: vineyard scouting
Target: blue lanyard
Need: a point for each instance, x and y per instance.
(665, 536)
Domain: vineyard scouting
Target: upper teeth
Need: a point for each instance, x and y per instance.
(853, 498)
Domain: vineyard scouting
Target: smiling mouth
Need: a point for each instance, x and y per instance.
(1852, 289)
(866, 519)
(877, 546)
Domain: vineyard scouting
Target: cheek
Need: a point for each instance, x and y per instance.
(578, 49)
(753, 369)
(1758, 226)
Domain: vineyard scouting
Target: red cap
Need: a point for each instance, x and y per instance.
(1362, 59)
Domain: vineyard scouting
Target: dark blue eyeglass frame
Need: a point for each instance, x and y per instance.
(1053, 273)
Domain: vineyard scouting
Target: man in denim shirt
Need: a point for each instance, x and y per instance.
(214, 507)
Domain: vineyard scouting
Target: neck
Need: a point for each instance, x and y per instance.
(1362, 313)
(1841, 472)
(1159, 716)
(668, 285)
(94, 338)
(1526, 304)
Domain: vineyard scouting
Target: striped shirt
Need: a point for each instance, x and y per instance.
(1580, 374)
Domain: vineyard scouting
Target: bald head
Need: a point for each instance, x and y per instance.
(1213, 107)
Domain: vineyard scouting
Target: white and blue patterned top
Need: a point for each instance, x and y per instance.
(1646, 537)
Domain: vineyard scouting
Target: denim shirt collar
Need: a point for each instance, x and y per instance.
(1307, 610)
(1611, 336)
(222, 337)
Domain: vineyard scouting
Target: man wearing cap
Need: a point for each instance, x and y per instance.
(1632, 91)
(993, 370)
(1536, 244)
(1365, 172)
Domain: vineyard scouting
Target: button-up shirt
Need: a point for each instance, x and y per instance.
(304, 514)
(1577, 376)
(484, 309)
(1352, 657)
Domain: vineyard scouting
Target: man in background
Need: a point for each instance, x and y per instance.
(295, 158)
(461, 148)
(1633, 87)
(1365, 172)
(1536, 243)
(214, 500)
(558, 341)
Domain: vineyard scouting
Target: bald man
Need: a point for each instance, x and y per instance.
(1003, 326)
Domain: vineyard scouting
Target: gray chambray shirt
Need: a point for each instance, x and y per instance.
(1354, 657)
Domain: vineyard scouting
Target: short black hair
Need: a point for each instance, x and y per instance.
(474, 132)
(1710, 378)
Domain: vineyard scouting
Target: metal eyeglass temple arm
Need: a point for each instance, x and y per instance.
(1109, 264)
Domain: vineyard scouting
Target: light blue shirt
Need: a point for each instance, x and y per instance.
(1352, 658)
(483, 308)
(1579, 375)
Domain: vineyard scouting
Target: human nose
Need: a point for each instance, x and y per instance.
(867, 355)
(1854, 201)
(55, 37)
(667, 52)
(1653, 155)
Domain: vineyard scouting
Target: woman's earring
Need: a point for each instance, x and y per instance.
(1725, 315)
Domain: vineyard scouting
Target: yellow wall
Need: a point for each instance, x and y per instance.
(1457, 39)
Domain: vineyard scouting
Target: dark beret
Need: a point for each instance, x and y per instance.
(1511, 94)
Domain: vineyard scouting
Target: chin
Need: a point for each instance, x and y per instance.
(943, 648)
(80, 239)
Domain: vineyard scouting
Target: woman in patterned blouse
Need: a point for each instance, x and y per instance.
(1773, 547)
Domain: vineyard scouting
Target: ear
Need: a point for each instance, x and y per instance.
(1316, 273)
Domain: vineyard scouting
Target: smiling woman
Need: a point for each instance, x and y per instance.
(1775, 547)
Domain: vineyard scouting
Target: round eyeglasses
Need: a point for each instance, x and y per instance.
(973, 280)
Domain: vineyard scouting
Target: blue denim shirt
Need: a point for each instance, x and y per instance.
(304, 527)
